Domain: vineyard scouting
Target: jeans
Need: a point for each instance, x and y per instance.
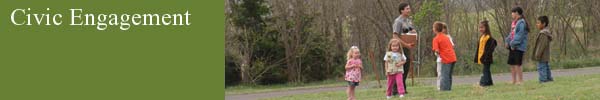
(446, 84)
(545, 74)
(486, 78)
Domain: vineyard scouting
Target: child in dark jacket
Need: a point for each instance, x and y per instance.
(484, 53)
(541, 50)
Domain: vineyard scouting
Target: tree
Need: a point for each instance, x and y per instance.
(248, 16)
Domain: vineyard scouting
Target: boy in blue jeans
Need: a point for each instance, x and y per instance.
(541, 50)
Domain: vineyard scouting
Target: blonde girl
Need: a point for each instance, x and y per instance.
(353, 70)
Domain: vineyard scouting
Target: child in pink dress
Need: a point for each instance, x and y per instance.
(353, 70)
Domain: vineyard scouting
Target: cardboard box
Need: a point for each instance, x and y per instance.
(409, 38)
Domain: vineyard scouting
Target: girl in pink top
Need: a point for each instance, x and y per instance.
(353, 69)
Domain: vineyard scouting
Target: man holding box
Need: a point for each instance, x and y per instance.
(402, 26)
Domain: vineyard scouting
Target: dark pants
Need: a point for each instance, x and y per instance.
(486, 78)
(406, 68)
(446, 81)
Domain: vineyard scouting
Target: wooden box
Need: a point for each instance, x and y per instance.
(409, 38)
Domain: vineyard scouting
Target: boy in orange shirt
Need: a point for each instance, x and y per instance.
(442, 46)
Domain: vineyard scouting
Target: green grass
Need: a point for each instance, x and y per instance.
(245, 89)
(496, 68)
(574, 87)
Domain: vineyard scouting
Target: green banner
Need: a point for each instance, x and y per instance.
(111, 50)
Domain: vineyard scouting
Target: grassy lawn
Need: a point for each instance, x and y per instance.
(245, 89)
(584, 87)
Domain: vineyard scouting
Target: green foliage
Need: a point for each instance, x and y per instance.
(575, 63)
(429, 12)
(265, 33)
(249, 14)
(322, 36)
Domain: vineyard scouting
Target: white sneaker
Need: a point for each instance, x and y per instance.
(401, 96)
(389, 97)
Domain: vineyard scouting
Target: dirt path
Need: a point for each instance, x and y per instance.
(498, 78)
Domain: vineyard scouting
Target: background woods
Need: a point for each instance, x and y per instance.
(297, 41)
